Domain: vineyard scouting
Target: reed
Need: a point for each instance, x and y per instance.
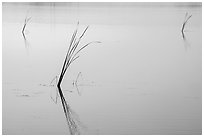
(184, 24)
(76, 82)
(73, 51)
(71, 56)
(25, 23)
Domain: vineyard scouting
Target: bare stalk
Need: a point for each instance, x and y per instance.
(71, 56)
(25, 23)
(184, 24)
(73, 51)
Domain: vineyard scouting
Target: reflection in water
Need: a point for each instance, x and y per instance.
(71, 117)
(69, 114)
(186, 43)
(26, 42)
(56, 97)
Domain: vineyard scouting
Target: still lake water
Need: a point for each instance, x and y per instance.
(144, 78)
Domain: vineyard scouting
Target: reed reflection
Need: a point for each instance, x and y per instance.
(71, 116)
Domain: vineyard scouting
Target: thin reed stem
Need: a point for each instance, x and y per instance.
(71, 56)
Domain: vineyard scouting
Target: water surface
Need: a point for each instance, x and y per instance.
(144, 78)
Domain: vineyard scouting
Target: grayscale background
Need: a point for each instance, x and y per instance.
(144, 78)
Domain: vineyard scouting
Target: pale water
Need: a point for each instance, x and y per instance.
(144, 78)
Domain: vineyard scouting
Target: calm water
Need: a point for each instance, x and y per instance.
(144, 78)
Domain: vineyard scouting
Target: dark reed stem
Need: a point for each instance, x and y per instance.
(185, 22)
(72, 52)
(25, 23)
(71, 56)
